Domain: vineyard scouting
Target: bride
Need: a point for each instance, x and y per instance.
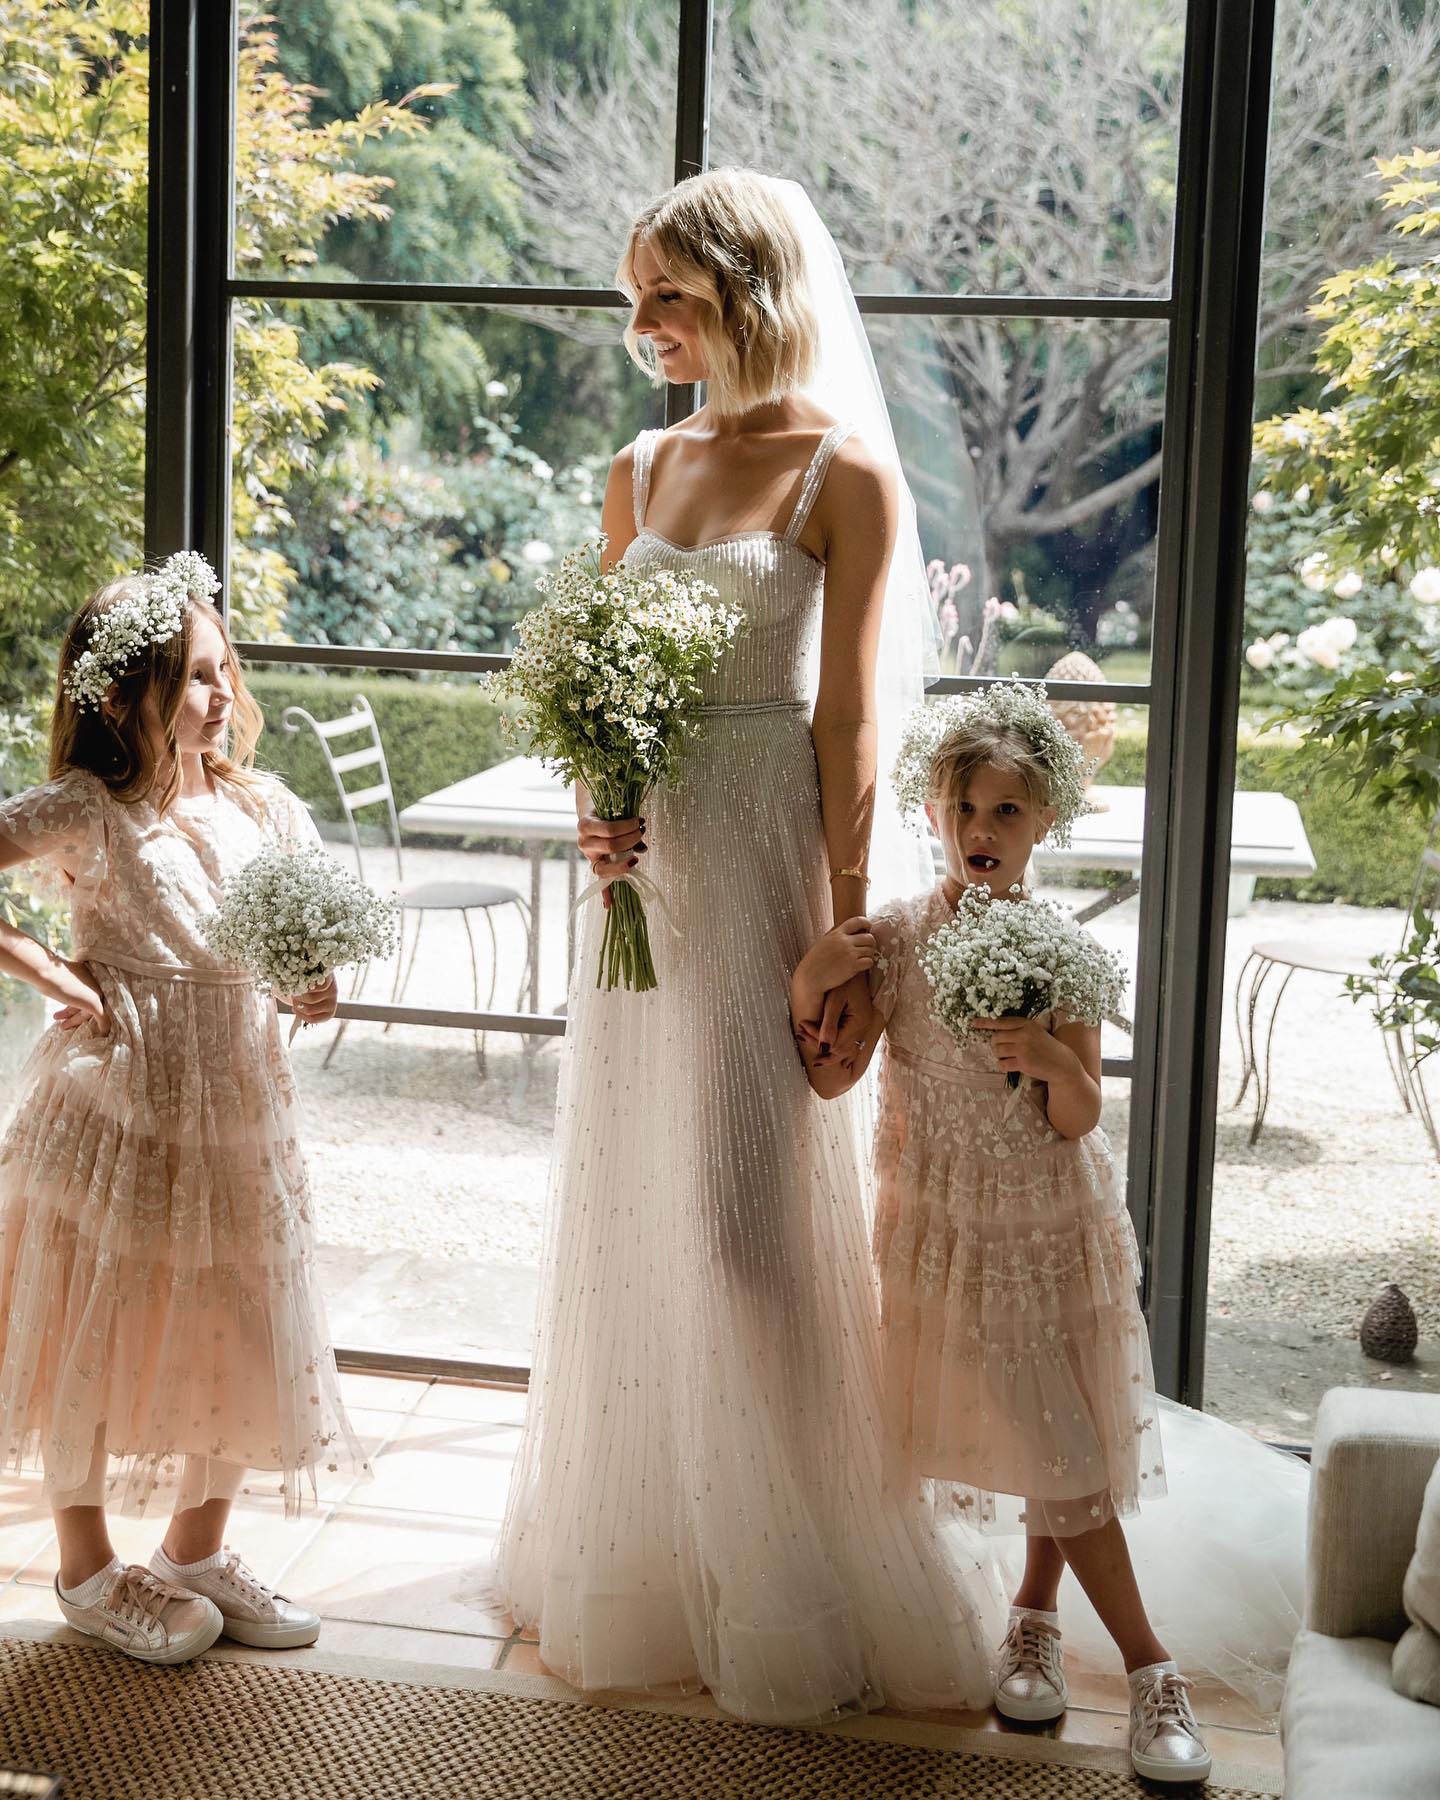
(698, 1495)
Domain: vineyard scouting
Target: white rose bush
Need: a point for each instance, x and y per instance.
(1016, 958)
(292, 916)
(607, 671)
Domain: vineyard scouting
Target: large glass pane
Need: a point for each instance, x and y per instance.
(74, 145)
(428, 1144)
(402, 474)
(444, 141)
(429, 1185)
(1324, 1182)
(1033, 448)
(989, 149)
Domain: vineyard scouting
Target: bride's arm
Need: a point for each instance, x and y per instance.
(858, 512)
(600, 839)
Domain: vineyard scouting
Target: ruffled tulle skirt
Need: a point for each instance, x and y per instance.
(158, 1298)
(1017, 1365)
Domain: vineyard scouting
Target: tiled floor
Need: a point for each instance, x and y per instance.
(397, 1564)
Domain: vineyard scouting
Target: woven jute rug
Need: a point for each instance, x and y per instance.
(230, 1725)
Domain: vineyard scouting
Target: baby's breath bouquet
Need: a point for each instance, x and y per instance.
(292, 916)
(607, 671)
(999, 959)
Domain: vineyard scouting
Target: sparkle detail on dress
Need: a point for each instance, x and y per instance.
(699, 1495)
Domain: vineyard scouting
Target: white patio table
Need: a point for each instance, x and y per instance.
(520, 798)
(1267, 837)
(515, 799)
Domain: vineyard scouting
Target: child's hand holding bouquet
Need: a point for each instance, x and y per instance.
(1011, 961)
(292, 916)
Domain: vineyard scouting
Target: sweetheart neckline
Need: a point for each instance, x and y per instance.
(730, 537)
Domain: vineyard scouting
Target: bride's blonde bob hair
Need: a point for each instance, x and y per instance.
(725, 239)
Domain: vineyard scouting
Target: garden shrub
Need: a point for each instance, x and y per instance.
(434, 732)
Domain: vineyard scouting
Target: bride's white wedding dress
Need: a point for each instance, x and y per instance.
(698, 1494)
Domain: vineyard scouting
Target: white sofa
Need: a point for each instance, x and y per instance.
(1346, 1732)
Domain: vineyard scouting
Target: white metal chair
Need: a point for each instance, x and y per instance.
(419, 897)
(1292, 956)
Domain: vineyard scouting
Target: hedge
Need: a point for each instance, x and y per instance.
(1362, 855)
(433, 732)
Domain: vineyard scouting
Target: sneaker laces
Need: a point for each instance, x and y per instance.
(1163, 1703)
(1031, 1644)
(138, 1597)
(235, 1572)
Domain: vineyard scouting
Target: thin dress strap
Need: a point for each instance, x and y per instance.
(815, 478)
(640, 467)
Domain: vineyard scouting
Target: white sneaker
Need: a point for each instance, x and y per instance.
(153, 1620)
(1165, 1741)
(1030, 1681)
(251, 1612)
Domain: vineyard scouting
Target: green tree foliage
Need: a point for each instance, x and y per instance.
(295, 179)
(455, 215)
(1372, 457)
(74, 123)
(74, 106)
(1374, 451)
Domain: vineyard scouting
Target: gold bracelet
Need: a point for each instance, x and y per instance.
(851, 875)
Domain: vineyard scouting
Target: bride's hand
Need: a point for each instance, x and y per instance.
(612, 847)
(844, 951)
(848, 1020)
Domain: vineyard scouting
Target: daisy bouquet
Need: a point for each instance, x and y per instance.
(607, 672)
(292, 916)
(1016, 959)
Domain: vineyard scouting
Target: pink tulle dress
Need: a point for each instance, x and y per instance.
(1015, 1352)
(158, 1298)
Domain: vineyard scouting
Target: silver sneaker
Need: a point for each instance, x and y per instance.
(146, 1617)
(253, 1613)
(1165, 1741)
(1030, 1681)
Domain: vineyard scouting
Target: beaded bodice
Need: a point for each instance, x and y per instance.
(774, 581)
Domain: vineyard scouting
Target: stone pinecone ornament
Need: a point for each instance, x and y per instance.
(1388, 1332)
(1090, 722)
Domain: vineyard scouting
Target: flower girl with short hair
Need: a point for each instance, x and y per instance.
(158, 1301)
(1016, 1356)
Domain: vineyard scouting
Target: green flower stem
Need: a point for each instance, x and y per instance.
(625, 957)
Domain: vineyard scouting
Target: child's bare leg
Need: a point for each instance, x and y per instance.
(1101, 1561)
(197, 1527)
(84, 1538)
(1040, 1585)
(81, 1529)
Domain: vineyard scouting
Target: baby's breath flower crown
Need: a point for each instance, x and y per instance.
(1015, 704)
(151, 615)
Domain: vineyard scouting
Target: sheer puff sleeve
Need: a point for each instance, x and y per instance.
(893, 939)
(287, 818)
(62, 823)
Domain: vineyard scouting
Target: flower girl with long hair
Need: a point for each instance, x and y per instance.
(1016, 1356)
(158, 1303)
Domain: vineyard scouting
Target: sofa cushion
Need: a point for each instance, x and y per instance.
(1347, 1732)
(1416, 1667)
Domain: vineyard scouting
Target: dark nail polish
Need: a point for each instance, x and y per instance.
(642, 845)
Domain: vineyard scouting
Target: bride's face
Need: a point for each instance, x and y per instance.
(668, 318)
